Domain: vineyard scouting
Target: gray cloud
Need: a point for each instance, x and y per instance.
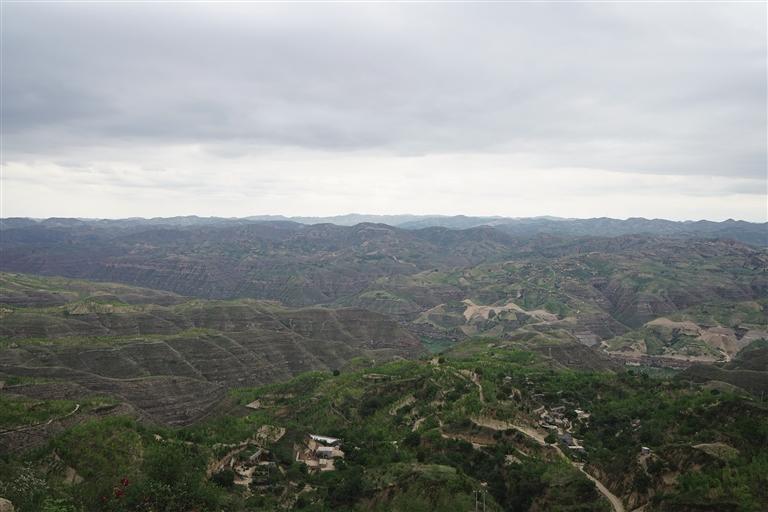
(636, 88)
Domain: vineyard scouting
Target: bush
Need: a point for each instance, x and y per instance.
(58, 505)
(224, 478)
(370, 405)
(412, 440)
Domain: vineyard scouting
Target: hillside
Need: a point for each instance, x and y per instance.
(748, 232)
(454, 365)
(441, 284)
(172, 362)
(614, 293)
(426, 435)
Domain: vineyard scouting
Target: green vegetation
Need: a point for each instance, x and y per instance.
(495, 324)
(19, 411)
(435, 346)
(731, 314)
(413, 442)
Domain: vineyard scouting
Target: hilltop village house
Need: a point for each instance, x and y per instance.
(555, 421)
(319, 452)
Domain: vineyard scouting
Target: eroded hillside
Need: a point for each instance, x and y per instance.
(173, 362)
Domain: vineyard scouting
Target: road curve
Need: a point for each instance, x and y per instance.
(495, 424)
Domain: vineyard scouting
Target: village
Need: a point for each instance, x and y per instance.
(253, 465)
(561, 421)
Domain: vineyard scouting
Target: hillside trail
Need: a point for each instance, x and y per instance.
(475, 379)
(494, 424)
(41, 423)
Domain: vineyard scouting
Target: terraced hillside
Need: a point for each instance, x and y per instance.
(172, 362)
(443, 285)
(305, 265)
(295, 264)
(503, 422)
(618, 294)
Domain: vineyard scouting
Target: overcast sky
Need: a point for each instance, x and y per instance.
(577, 110)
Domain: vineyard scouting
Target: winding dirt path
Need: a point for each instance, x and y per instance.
(494, 424)
(532, 433)
(41, 423)
(616, 503)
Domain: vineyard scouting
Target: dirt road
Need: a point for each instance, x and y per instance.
(495, 424)
(539, 438)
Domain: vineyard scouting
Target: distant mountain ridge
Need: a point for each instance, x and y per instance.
(753, 233)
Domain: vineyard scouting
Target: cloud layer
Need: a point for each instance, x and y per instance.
(654, 110)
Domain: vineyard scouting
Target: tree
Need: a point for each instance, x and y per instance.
(224, 478)
(412, 440)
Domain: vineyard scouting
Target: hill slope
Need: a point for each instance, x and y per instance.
(173, 362)
(426, 435)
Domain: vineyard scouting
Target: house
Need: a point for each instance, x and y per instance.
(328, 452)
(328, 441)
(571, 442)
(260, 456)
(318, 452)
(582, 415)
(645, 450)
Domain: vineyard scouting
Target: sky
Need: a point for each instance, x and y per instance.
(653, 110)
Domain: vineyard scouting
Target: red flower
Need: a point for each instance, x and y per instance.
(125, 482)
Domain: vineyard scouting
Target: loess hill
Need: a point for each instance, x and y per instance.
(171, 357)
(449, 361)
(424, 435)
(636, 295)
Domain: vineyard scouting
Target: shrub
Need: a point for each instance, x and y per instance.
(412, 440)
(224, 478)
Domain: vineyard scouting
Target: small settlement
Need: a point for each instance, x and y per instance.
(256, 467)
(555, 421)
(319, 453)
(250, 460)
(560, 420)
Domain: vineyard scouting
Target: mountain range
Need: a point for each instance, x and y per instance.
(748, 232)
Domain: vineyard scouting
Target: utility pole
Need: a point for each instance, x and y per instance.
(477, 493)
